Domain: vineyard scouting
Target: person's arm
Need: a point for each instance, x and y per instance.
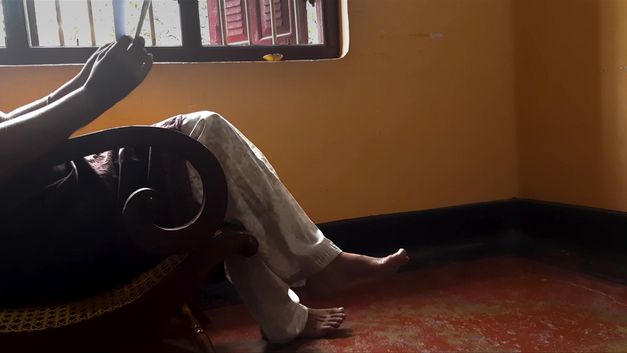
(73, 84)
(115, 73)
(34, 105)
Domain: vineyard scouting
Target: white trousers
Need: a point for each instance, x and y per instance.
(291, 247)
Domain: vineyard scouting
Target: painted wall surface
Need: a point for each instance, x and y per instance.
(571, 74)
(419, 114)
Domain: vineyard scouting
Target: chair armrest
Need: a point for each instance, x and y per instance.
(137, 209)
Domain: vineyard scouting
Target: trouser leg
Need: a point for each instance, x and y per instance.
(266, 297)
(291, 247)
(290, 244)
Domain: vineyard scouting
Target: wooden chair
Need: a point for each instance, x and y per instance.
(131, 317)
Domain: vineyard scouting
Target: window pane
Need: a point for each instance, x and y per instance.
(76, 29)
(47, 34)
(204, 22)
(162, 25)
(103, 21)
(167, 23)
(314, 23)
(3, 42)
(72, 23)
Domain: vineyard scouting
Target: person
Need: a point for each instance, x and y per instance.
(57, 255)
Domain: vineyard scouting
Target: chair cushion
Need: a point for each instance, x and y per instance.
(38, 318)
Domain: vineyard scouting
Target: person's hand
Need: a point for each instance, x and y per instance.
(117, 70)
(80, 79)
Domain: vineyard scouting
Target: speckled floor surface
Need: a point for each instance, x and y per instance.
(496, 304)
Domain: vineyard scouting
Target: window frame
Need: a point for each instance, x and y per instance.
(19, 52)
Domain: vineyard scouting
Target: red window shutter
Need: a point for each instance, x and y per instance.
(236, 21)
(283, 22)
(235, 16)
(215, 35)
(259, 15)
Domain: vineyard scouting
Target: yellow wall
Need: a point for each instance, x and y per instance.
(571, 74)
(406, 121)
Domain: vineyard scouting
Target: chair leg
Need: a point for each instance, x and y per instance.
(202, 340)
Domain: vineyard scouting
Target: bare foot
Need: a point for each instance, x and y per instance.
(323, 322)
(349, 270)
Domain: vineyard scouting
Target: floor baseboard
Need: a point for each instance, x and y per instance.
(498, 221)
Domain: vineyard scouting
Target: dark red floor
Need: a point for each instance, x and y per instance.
(505, 304)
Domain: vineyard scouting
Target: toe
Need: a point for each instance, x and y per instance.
(336, 320)
(401, 256)
(331, 324)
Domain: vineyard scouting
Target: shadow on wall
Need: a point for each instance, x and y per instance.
(572, 140)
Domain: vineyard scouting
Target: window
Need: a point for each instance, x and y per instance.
(68, 31)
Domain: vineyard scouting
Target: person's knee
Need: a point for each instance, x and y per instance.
(205, 123)
(211, 118)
